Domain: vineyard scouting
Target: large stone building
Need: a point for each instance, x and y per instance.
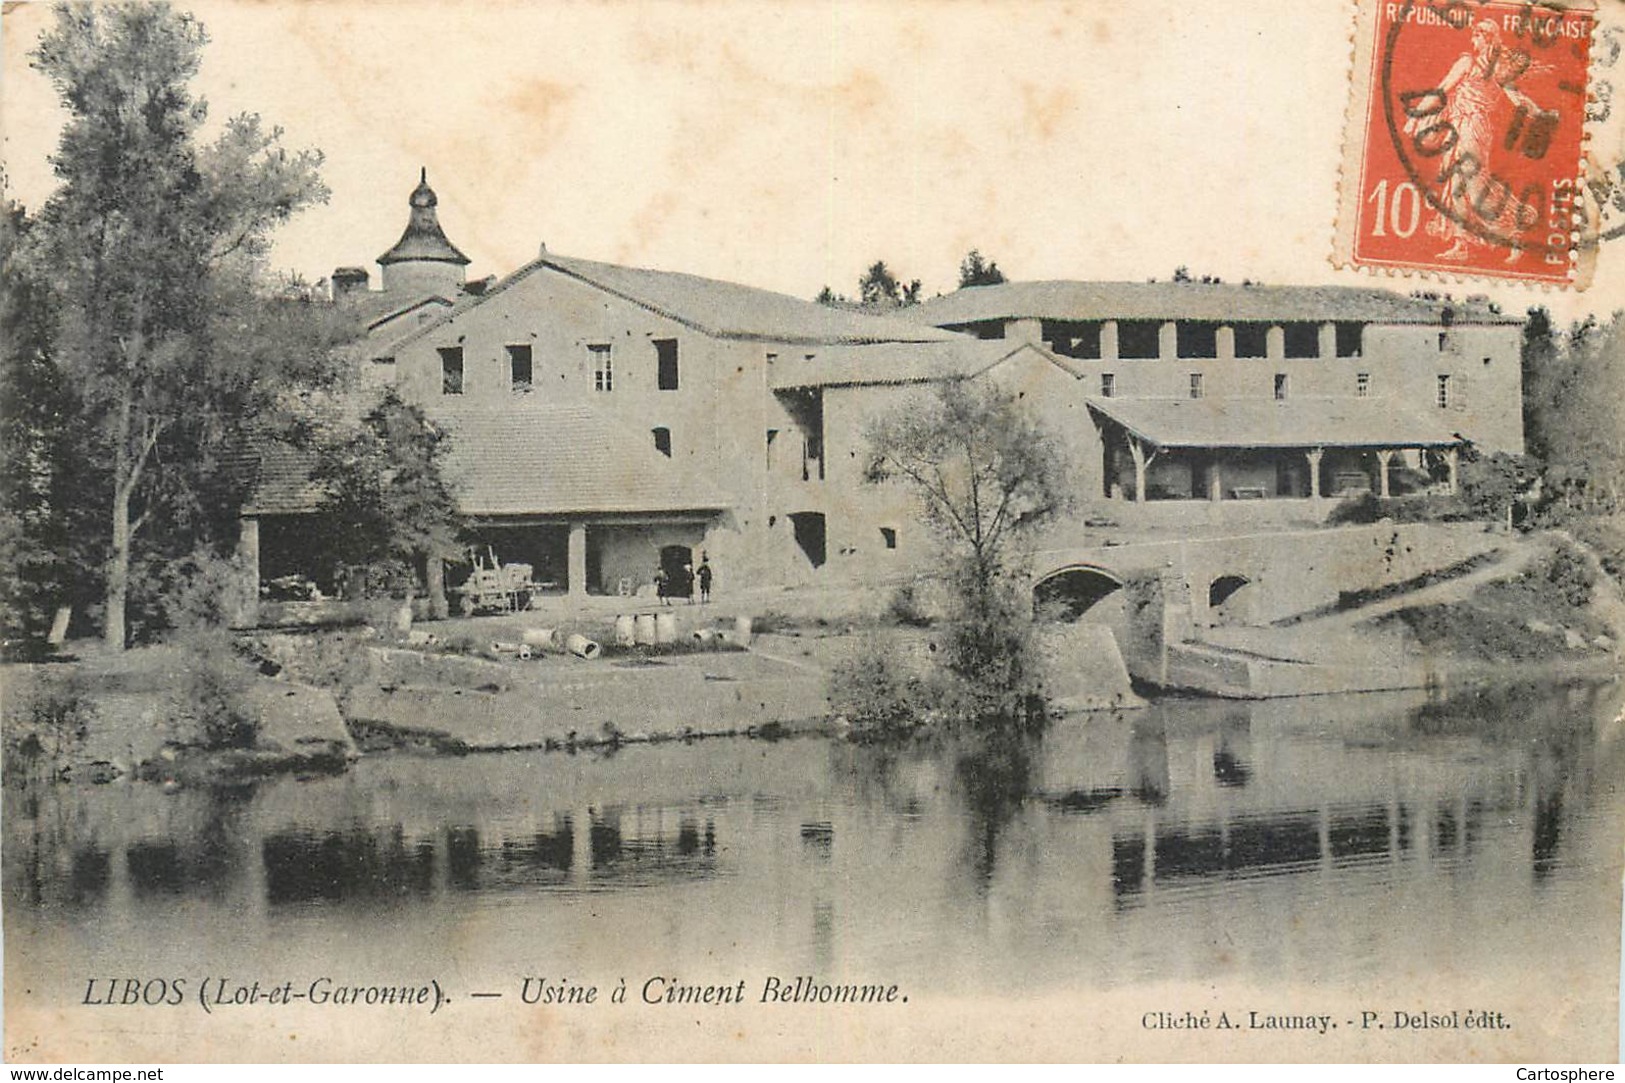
(606, 420)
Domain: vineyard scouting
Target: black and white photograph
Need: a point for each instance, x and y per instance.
(724, 531)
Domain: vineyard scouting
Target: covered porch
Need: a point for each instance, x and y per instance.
(1219, 450)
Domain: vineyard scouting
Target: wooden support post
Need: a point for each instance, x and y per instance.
(248, 560)
(435, 578)
(1452, 459)
(1275, 342)
(1384, 456)
(1168, 341)
(1314, 456)
(1225, 341)
(576, 561)
(1137, 450)
(1215, 483)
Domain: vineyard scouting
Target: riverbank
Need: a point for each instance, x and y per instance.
(317, 699)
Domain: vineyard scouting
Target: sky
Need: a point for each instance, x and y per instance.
(789, 145)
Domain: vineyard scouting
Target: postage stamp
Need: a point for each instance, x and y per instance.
(1466, 134)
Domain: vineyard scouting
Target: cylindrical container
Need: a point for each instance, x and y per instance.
(626, 633)
(545, 638)
(704, 637)
(742, 631)
(524, 652)
(665, 628)
(582, 647)
(644, 629)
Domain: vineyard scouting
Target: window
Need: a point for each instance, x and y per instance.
(1362, 384)
(1139, 339)
(1197, 338)
(663, 441)
(1280, 386)
(1252, 339)
(1350, 339)
(666, 363)
(888, 534)
(383, 360)
(772, 358)
(451, 370)
(1196, 385)
(603, 366)
(1441, 392)
(1108, 384)
(1444, 341)
(519, 370)
(1300, 339)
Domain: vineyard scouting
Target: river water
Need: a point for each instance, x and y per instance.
(1314, 841)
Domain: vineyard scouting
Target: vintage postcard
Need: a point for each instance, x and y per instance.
(816, 531)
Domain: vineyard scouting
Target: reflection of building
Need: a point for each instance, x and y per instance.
(607, 419)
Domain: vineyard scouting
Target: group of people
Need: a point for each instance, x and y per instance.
(680, 582)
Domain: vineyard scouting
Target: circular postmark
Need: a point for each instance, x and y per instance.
(1484, 104)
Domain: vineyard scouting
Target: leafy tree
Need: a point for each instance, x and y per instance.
(156, 244)
(43, 489)
(389, 509)
(830, 299)
(975, 271)
(879, 285)
(1573, 386)
(987, 475)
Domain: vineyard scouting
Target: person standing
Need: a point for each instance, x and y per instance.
(704, 576)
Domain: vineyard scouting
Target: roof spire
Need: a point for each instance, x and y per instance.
(423, 239)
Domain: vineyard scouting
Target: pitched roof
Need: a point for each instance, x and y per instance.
(900, 362)
(549, 459)
(1267, 423)
(374, 310)
(1188, 301)
(719, 309)
(518, 459)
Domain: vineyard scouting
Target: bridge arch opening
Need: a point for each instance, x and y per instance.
(1228, 600)
(1069, 593)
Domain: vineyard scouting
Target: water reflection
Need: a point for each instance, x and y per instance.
(1108, 843)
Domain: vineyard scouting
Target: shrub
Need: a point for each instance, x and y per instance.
(1571, 574)
(48, 721)
(876, 688)
(213, 692)
(908, 607)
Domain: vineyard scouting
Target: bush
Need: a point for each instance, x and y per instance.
(877, 689)
(908, 607)
(48, 721)
(1571, 574)
(213, 691)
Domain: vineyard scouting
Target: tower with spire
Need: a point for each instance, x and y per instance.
(423, 262)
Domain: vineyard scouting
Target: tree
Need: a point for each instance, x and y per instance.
(389, 510)
(879, 286)
(830, 299)
(1573, 383)
(156, 244)
(975, 271)
(987, 476)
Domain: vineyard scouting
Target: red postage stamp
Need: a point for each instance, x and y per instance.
(1465, 133)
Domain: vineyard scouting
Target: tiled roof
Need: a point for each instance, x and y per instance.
(523, 459)
(1267, 423)
(374, 310)
(283, 485)
(720, 309)
(898, 362)
(1185, 301)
